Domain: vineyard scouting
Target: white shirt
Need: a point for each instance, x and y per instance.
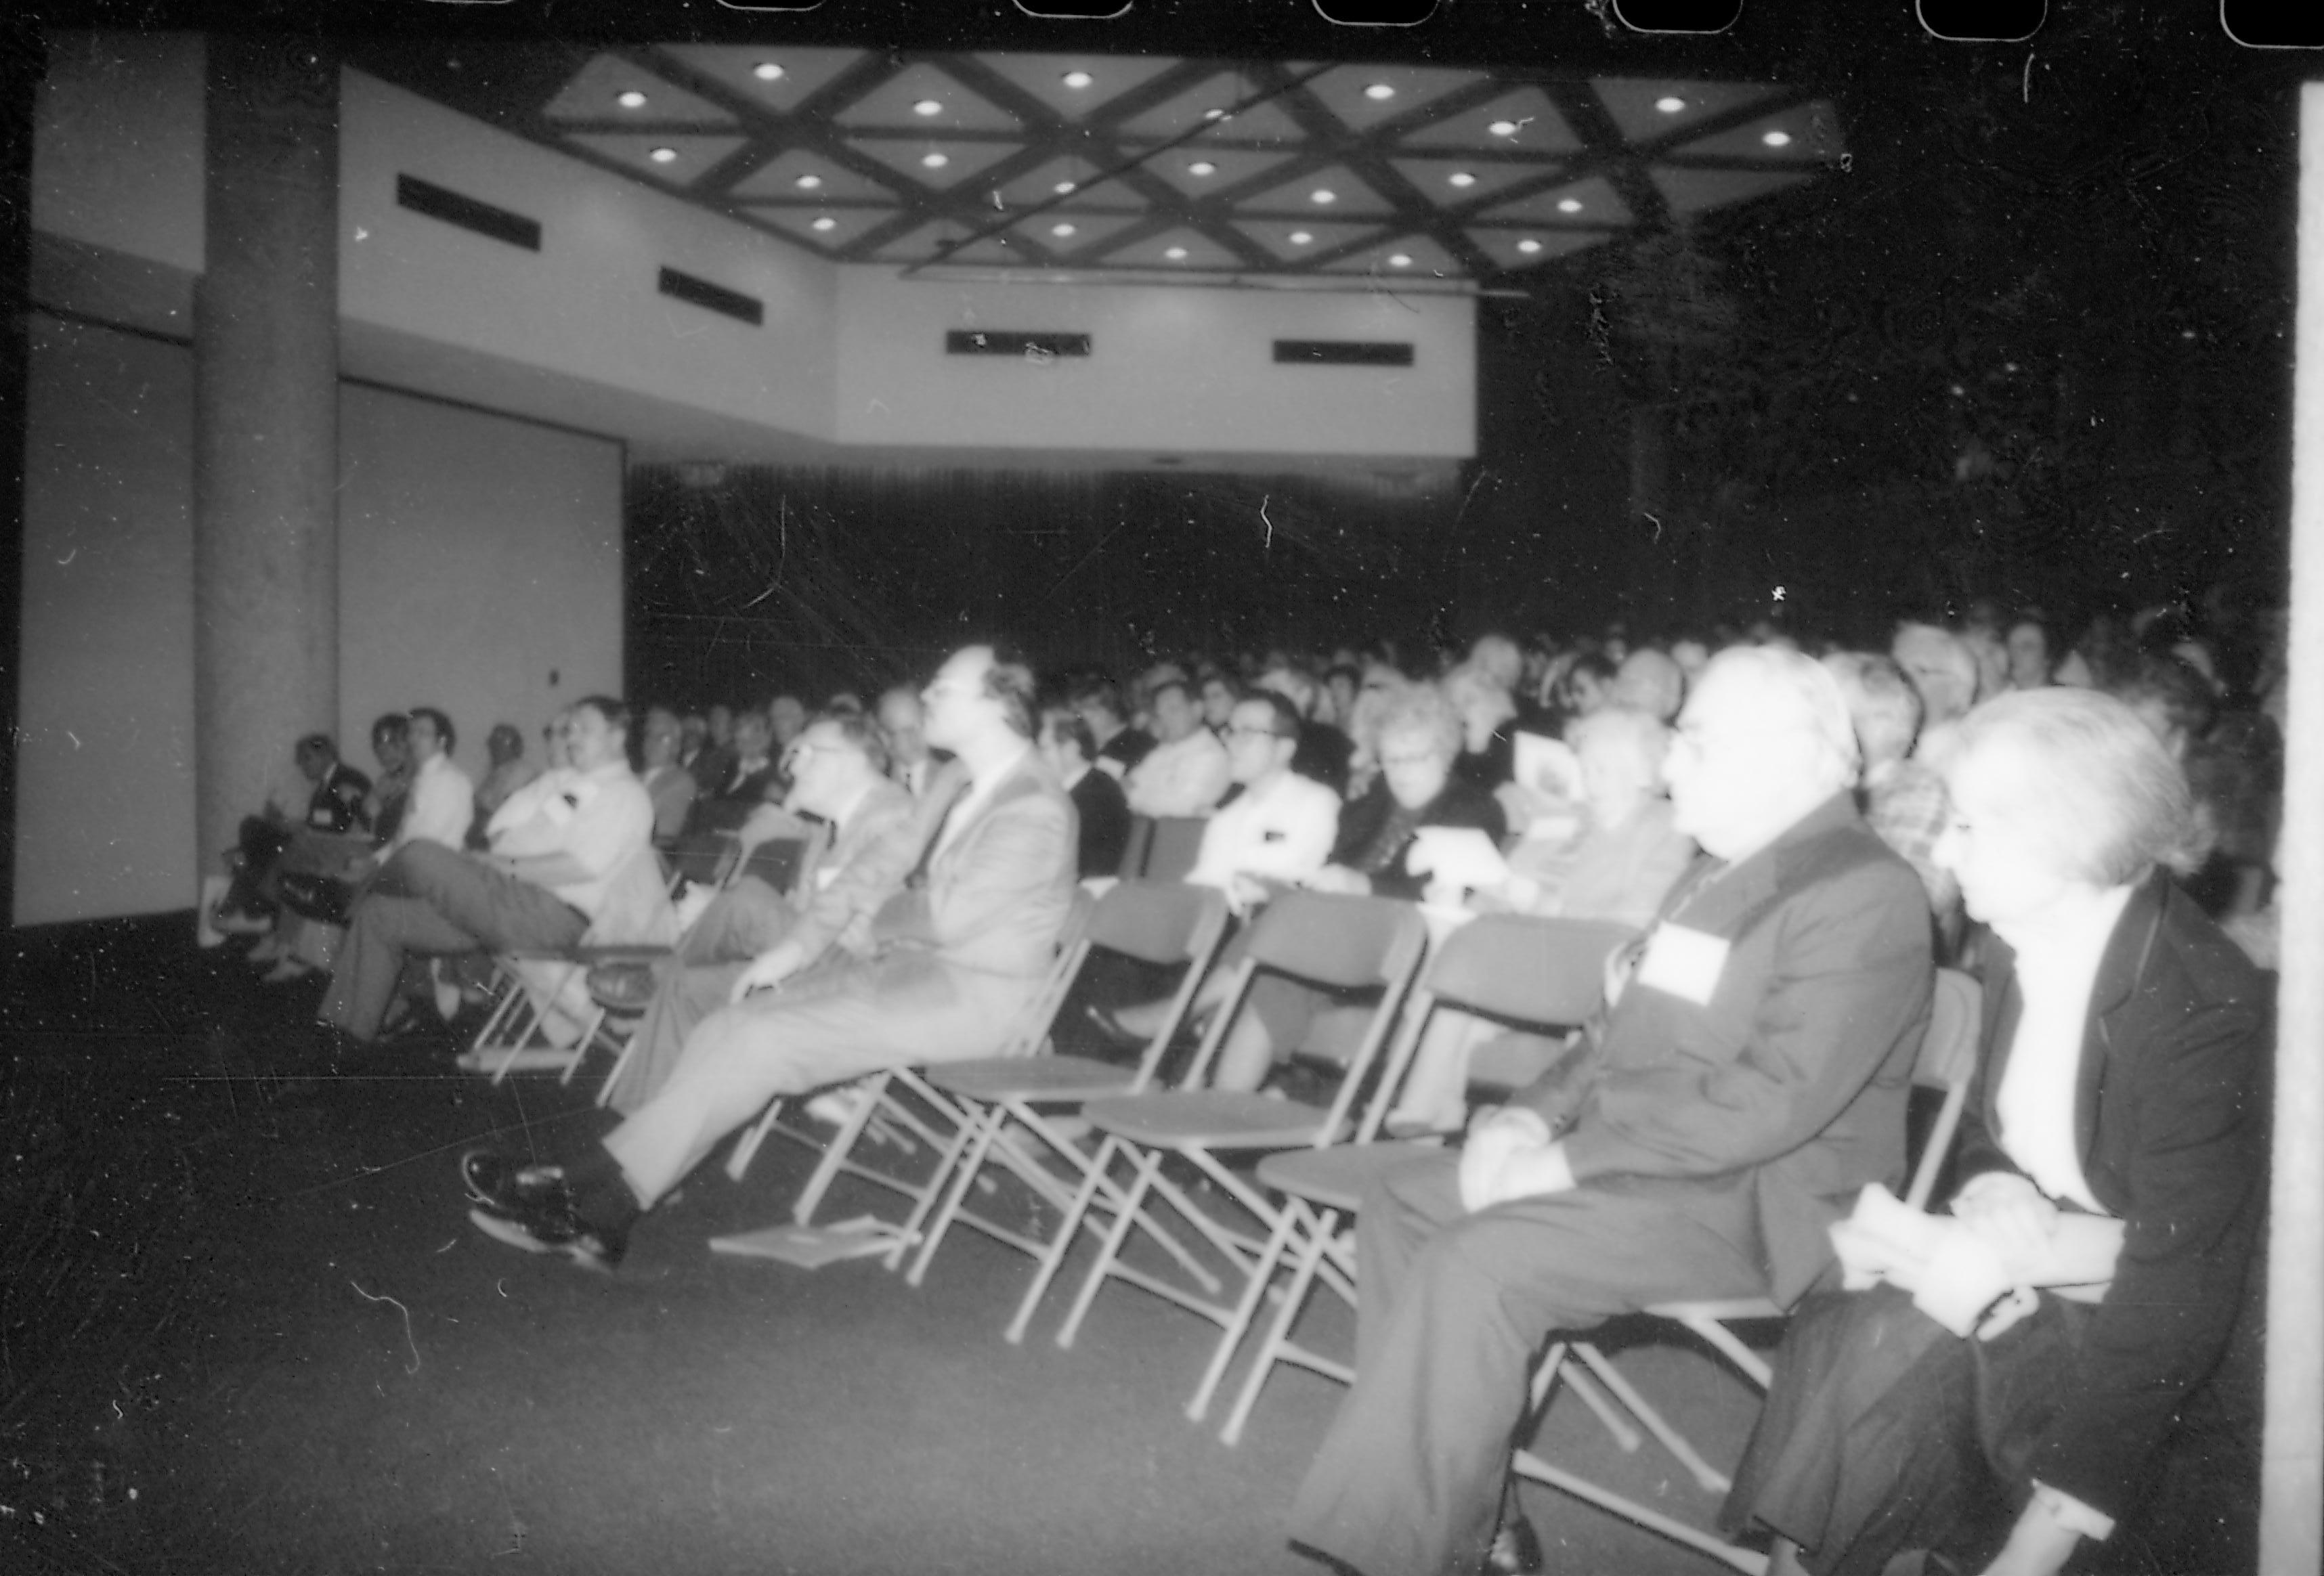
(443, 802)
(600, 817)
(1282, 828)
(1184, 777)
(2057, 970)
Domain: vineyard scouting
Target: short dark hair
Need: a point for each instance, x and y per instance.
(860, 732)
(317, 744)
(1066, 725)
(2186, 700)
(1011, 681)
(1099, 691)
(616, 714)
(1287, 722)
(443, 724)
(392, 725)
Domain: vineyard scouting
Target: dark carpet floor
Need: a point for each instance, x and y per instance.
(246, 1327)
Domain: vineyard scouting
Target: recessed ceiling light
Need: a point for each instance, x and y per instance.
(1063, 188)
(807, 182)
(1503, 128)
(1462, 177)
(1175, 254)
(767, 71)
(1202, 167)
(1061, 230)
(1077, 81)
(1323, 196)
(927, 107)
(1300, 237)
(1777, 139)
(663, 155)
(1400, 259)
(826, 223)
(630, 99)
(1528, 246)
(1670, 105)
(934, 160)
(1379, 92)
(1569, 205)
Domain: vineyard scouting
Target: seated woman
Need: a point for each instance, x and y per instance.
(1419, 736)
(840, 768)
(2113, 1157)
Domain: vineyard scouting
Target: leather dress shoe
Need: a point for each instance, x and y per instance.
(1515, 1550)
(503, 1183)
(623, 987)
(1115, 1032)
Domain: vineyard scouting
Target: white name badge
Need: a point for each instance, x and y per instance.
(1682, 963)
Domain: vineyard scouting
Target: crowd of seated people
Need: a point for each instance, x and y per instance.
(1797, 833)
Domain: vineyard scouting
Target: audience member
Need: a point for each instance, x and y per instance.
(1945, 671)
(786, 719)
(333, 806)
(2030, 660)
(558, 846)
(903, 727)
(1220, 694)
(1098, 802)
(1629, 853)
(714, 768)
(1187, 770)
(980, 887)
(1278, 827)
(1488, 714)
(2005, 1384)
(1324, 751)
(1750, 1075)
(757, 774)
(1650, 682)
(841, 777)
(505, 748)
(1097, 701)
(1902, 799)
(670, 786)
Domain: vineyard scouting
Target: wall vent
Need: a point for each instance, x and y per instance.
(422, 196)
(1344, 352)
(1004, 342)
(713, 298)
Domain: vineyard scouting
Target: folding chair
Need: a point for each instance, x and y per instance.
(1164, 924)
(901, 1108)
(1947, 1061)
(1173, 847)
(1135, 848)
(1520, 971)
(1334, 943)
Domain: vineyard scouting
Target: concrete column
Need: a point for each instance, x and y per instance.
(266, 369)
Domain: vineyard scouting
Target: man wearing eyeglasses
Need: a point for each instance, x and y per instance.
(1280, 825)
(969, 899)
(1748, 1079)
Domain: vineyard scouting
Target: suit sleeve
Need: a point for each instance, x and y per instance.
(1015, 854)
(1850, 973)
(2195, 1201)
(877, 869)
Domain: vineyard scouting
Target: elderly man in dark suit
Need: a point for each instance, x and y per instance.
(976, 889)
(1748, 1080)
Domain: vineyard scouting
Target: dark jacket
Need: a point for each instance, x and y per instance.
(2170, 1114)
(1105, 823)
(1460, 803)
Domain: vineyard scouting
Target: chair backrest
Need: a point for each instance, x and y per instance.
(1534, 971)
(1173, 847)
(1948, 1061)
(1166, 924)
(702, 858)
(1334, 943)
(784, 862)
(1135, 847)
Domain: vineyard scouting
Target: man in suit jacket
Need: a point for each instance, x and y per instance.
(1748, 1080)
(1098, 802)
(841, 778)
(958, 922)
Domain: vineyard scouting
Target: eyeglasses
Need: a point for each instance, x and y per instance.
(1247, 732)
(1407, 762)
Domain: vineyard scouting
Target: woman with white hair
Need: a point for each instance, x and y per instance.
(2007, 1383)
(1629, 854)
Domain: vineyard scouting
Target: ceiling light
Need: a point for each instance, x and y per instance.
(1777, 139)
(826, 223)
(1202, 167)
(1569, 205)
(807, 182)
(1175, 254)
(1300, 237)
(1379, 92)
(663, 155)
(1077, 81)
(1323, 196)
(1063, 188)
(1503, 128)
(767, 71)
(1528, 246)
(1061, 230)
(1671, 104)
(1400, 259)
(630, 99)
(934, 160)
(1462, 177)
(927, 107)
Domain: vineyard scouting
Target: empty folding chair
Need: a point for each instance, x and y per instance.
(1015, 1102)
(1947, 1061)
(1515, 971)
(1330, 943)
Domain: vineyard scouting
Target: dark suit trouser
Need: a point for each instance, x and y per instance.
(437, 901)
(1452, 1309)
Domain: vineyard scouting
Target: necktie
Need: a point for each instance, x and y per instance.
(919, 876)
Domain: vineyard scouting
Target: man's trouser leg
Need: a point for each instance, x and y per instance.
(1454, 1308)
